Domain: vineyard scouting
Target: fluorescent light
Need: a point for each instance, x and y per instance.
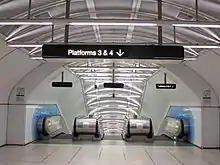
(25, 23)
(119, 78)
(116, 74)
(202, 46)
(190, 59)
(123, 81)
(130, 96)
(25, 46)
(113, 101)
(113, 120)
(118, 68)
(112, 24)
(147, 69)
(133, 74)
(99, 109)
(81, 68)
(127, 81)
(94, 73)
(95, 77)
(36, 58)
(115, 89)
(197, 25)
(117, 95)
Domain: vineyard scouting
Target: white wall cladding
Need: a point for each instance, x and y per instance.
(193, 81)
(3, 124)
(208, 66)
(29, 82)
(155, 104)
(38, 90)
(14, 64)
(70, 100)
(33, 80)
(189, 93)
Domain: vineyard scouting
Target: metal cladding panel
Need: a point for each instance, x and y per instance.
(112, 51)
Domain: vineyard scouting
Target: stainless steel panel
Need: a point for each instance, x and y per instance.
(140, 126)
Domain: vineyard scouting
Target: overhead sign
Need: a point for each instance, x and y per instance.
(113, 51)
(165, 86)
(62, 84)
(113, 85)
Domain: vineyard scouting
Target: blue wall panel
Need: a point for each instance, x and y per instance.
(40, 112)
(186, 114)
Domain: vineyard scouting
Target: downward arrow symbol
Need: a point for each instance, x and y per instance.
(120, 53)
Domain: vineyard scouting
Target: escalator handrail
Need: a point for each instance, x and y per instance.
(182, 129)
(75, 134)
(43, 127)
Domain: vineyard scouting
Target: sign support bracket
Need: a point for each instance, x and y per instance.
(165, 78)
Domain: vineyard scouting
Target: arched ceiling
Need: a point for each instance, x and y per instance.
(113, 103)
(100, 101)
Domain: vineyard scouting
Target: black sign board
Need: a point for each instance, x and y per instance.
(113, 51)
(113, 85)
(62, 84)
(166, 86)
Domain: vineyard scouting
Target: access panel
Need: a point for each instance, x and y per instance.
(113, 51)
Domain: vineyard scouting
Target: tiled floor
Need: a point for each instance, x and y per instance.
(105, 154)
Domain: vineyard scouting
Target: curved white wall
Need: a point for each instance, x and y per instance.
(208, 67)
(14, 64)
(17, 70)
(189, 93)
(70, 100)
(156, 102)
(38, 90)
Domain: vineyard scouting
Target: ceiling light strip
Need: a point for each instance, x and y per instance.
(202, 46)
(118, 68)
(110, 22)
(11, 23)
(36, 58)
(109, 95)
(25, 45)
(116, 74)
(119, 78)
(117, 81)
(197, 25)
(39, 45)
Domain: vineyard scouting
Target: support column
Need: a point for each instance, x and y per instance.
(160, 30)
(29, 9)
(66, 36)
(197, 9)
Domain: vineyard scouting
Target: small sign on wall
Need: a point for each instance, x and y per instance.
(20, 93)
(207, 97)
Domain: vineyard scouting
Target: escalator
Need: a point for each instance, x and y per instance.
(51, 127)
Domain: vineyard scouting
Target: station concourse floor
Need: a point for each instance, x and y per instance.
(106, 153)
